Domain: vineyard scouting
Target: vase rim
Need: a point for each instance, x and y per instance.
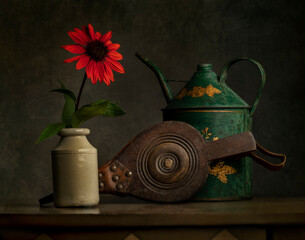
(74, 132)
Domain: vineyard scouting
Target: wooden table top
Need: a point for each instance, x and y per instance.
(260, 211)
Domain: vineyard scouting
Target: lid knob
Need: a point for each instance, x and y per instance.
(204, 67)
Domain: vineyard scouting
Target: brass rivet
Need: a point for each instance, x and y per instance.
(100, 175)
(113, 168)
(102, 185)
(119, 186)
(128, 174)
(115, 178)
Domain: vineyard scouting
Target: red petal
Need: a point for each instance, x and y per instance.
(83, 61)
(69, 60)
(101, 71)
(105, 74)
(91, 72)
(115, 55)
(105, 77)
(115, 65)
(85, 32)
(89, 69)
(107, 43)
(96, 70)
(94, 79)
(109, 71)
(91, 32)
(75, 38)
(106, 37)
(82, 35)
(113, 46)
(75, 48)
(98, 35)
(107, 81)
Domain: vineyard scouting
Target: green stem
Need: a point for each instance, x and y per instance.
(80, 92)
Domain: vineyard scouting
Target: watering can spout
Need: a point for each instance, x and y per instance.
(167, 91)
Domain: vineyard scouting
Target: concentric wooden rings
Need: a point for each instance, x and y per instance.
(167, 163)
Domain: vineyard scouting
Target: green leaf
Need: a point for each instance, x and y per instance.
(62, 84)
(69, 107)
(113, 110)
(87, 112)
(66, 92)
(98, 108)
(97, 102)
(51, 130)
(68, 110)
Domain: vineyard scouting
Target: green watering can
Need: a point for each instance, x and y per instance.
(216, 111)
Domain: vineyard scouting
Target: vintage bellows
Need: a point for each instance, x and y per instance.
(168, 162)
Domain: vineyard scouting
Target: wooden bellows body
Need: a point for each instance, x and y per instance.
(168, 162)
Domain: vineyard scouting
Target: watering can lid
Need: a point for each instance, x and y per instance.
(204, 90)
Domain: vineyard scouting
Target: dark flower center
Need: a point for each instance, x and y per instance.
(96, 50)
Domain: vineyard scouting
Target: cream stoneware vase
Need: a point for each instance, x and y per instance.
(75, 170)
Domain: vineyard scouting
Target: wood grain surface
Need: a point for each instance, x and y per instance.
(271, 211)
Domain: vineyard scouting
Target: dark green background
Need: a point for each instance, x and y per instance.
(176, 35)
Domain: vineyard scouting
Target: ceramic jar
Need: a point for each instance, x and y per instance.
(75, 170)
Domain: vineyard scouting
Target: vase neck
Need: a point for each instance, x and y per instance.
(74, 132)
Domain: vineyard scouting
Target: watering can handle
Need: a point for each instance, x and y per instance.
(224, 72)
(265, 163)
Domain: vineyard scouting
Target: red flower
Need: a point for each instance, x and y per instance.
(98, 54)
